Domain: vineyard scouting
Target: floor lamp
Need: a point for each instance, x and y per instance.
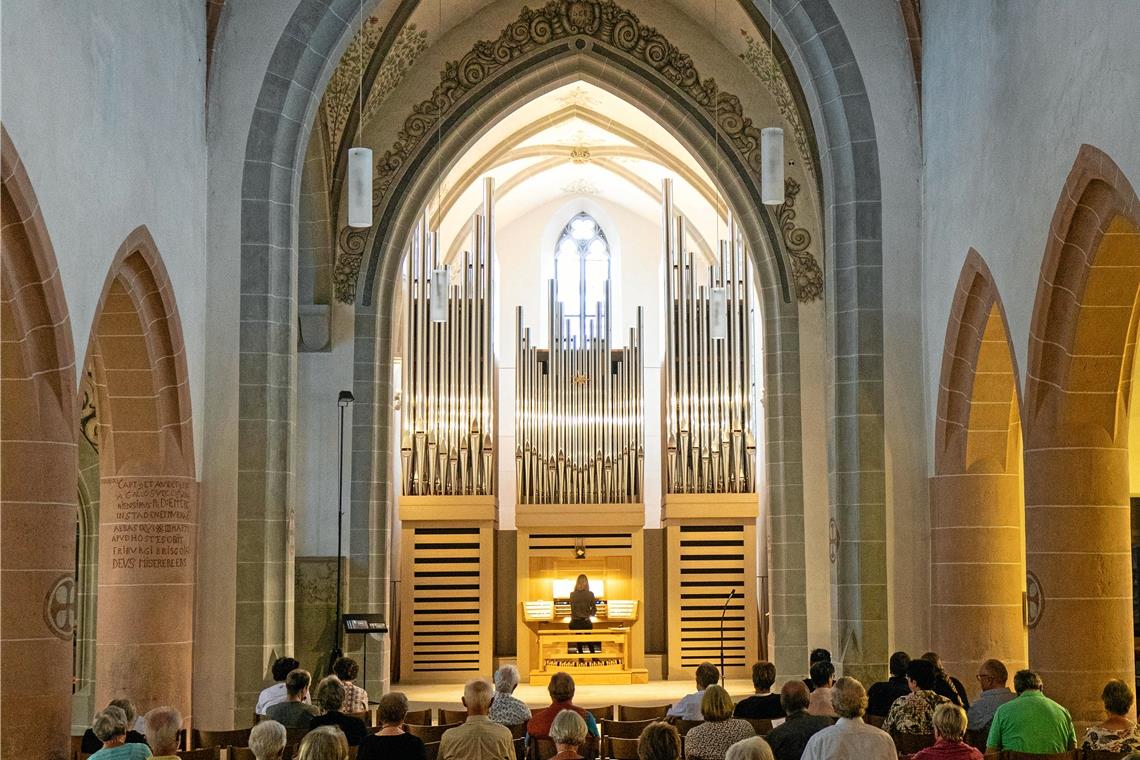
(343, 402)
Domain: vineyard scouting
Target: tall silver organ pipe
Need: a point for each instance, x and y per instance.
(447, 435)
(578, 413)
(710, 447)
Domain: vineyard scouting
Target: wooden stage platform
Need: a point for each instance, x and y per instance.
(652, 693)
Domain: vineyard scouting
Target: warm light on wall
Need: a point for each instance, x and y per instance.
(562, 588)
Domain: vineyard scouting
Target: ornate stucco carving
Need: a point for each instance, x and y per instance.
(88, 414)
(758, 58)
(806, 274)
(336, 105)
(406, 48)
(602, 20)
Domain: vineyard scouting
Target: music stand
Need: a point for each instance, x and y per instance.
(363, 624)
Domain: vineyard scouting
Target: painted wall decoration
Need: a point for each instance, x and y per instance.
(758, 58)
(806, 274)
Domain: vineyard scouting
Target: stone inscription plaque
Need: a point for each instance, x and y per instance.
(149, 530)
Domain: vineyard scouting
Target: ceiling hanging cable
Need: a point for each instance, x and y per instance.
(772, 138)
(359, 158)
(441, 272)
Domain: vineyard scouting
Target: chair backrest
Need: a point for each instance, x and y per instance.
(1103, 754)
(520, 745)
(623, 729)
(518, 730)
(544, 749)
(432, 750)
(622, 749)
(365, 716)
(1072, 754)
(908, 744)
(429, 734)
(762, 726)
(238, 737)
(295, 735)
(683, 726)
(240, 753)
(451, 716)
(641, 712)
(418, 717)
(875, 720)
(211, 753)
(601, 713)
(976, 738)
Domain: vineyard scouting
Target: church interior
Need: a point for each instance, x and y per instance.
(389, 328)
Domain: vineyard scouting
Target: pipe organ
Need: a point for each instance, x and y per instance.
(448, 383)
(708, 407)
(578, 413)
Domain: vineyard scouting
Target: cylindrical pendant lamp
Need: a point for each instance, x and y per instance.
(437, 289)
(359, 187)
(772, 166)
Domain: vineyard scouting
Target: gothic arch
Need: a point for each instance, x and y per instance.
(37, 472)
(1078, 385)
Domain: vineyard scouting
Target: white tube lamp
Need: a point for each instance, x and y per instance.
(360, 187)
(772, 166)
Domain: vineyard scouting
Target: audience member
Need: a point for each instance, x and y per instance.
(711, 739)
(110, 727)
(91, 743)
(162, 727)
(267, 740)
(324, 743)
(822, 678)
(883, 694)
(392, 741)
(355, 698)
(688, 707)
(505, 708)
(753, 748)
(659, 741)
(294, 712)
(790, 737)
(946, 684)
(1032, 722)
(477, 738)
(992, 677)
(277, 693)
(850, 737)
(1117, 733)
(568, 732)
(561, 690)
(914, 713)
(763, 705)
(330, 698)
(949, 728)
(817, 655)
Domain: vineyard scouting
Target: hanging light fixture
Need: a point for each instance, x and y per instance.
(772, 138)
(360, 159)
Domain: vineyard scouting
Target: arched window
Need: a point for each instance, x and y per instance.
(581, 273)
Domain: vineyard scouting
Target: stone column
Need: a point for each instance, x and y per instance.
(978, 571)
(146, 590)
(1078, 557)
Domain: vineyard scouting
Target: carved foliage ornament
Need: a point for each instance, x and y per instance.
(806, 274)
(602, 20)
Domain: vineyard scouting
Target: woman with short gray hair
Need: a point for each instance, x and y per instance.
(267, 740)
(753, 748)
(110, 727)
(505, 708)
(391, 740)
(568, 731)
(91, 744)
(330, 697)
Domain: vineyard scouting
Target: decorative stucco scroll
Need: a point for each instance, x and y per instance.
(806, 274)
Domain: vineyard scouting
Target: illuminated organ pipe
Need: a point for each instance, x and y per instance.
(710, 447)
(447, 445)
(578, 413)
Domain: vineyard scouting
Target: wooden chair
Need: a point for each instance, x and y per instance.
(620, 729)
(76, 747)
(762, 726)
(240, 753)
(428, 734)
(601, 713)
(544, 749)
(1102, 754)
(1073, 754)
(908, 744)
(365, 716)
(636, 712)
(875, 720)
(976, 738)
(622, 749)
(518, 730)
(418, 717)
(451, 716)
(295, 735)
(683, 726)
(520, 745)
(204, 739)
(210, 753)
(432, 750)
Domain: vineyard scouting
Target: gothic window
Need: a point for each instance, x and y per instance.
(581, 274)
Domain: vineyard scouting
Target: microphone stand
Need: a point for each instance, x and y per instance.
(724, 610)
(343, 400)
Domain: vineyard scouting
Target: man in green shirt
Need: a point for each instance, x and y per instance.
(1032, 722)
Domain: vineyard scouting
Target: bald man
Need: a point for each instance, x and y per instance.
(478, 738)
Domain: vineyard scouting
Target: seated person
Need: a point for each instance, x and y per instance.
(763, 705)
(754, 748)
(91, 743)
(790, 737)
(477, 738)
(883, 694)
(276, 693)
(1032, 722)
(294, 712)
(688, 707)
(561, 689)
(162, 727)
(330, 697)
(659, 741)
(1117, 733)
(355, 698)
(392, 741)
(267, 740)
(324, 743)
(914, 713)
(711, 739)
(850, 738)
(949, 728)
(568, 732)
(993, 677)
(507, 709)
(110, 728)
(946, 684)
(817, 655)
(822, 678)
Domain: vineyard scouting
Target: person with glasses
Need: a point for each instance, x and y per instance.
(992, 678)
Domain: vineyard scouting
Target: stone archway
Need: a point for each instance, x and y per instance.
(37, 478)
(147, 485)
(977, 556)
(1078, 390)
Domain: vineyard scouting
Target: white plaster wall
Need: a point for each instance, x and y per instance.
(1011, 91)
(105, 103)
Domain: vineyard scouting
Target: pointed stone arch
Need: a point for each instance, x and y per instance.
(977, 560)
(1078, 386)
(37, 477)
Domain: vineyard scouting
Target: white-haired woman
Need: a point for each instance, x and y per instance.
(505, 708)
(91, 743)
(753, 748)
(110, 727)
(267, 740)
(568, 732)
(324, 743)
